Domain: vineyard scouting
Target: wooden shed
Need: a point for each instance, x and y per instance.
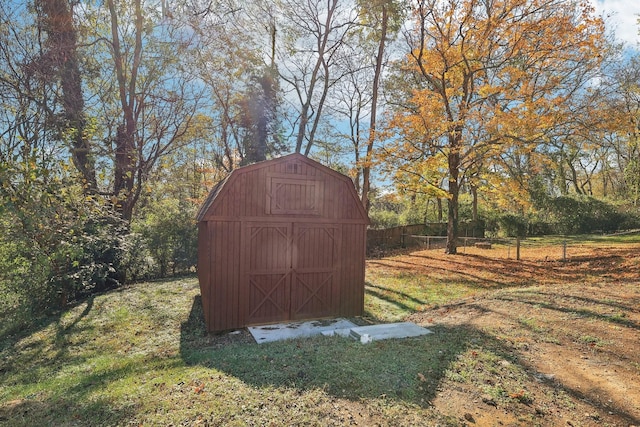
(281, 240)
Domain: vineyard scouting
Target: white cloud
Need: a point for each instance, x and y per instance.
(622, 18)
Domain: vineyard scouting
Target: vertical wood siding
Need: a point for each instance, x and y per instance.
(204, 269)
(224, 270)
(352, 289)
(267, 272)
(316, 271)
(281, 240)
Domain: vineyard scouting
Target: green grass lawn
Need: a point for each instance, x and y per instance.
(140, 356)
(392, 297)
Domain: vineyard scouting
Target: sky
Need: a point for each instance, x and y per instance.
(623, 19)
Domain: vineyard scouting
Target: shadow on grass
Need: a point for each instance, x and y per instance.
(77, 404)
(581, 312)
(632, 305)
(402, 295)
(452, 269)
(409, 370)
(391, 296)
(11, 341)
(18, 326)
(72, 407)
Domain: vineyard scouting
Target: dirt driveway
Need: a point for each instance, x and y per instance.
(573, 326)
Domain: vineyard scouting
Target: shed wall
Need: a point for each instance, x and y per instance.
(219, 273)
(283, 240)
(353, 271)
(204, 269)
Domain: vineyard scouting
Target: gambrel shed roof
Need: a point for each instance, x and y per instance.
(289, 185)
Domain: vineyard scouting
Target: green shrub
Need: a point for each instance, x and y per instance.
(540, 228)
(166, 238)
(138, 263)
(383, 218)
(18, 277)
(513, 225)
(57, 245)
(585, 215)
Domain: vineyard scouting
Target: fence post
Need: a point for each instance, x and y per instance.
(518, 248)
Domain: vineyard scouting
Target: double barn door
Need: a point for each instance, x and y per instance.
(291, 271)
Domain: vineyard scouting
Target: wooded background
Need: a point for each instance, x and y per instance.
(118, 117)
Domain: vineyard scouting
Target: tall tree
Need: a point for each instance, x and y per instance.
(350, 105)
(156, 99)
(28, 99)
(384, 18)
(61, 59)
(223, 65)
(313, 34)
(237, 63)
(125, 144)
(504, 66)
(259, 117)
(623, 131)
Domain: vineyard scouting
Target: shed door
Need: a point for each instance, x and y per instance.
(291, 271)
(315, 271)
(267, 249)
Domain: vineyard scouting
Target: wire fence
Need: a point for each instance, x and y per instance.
(543, 249)
(409, 236)
(512, 247)
(548, 248)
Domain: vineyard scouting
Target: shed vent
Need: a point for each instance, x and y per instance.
(288, 195)
(293, 168)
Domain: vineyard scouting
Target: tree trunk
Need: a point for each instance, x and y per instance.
(454, 190)
(474, 205)
(574, 177)
(356, 179)
(126, 158)
(305, 116)
(366, 167)
(302, 127)
(63, 57)
(124, 171)
(258, 112)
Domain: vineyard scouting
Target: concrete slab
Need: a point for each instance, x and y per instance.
(346, 332)
(388, 330)
(292, 330)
